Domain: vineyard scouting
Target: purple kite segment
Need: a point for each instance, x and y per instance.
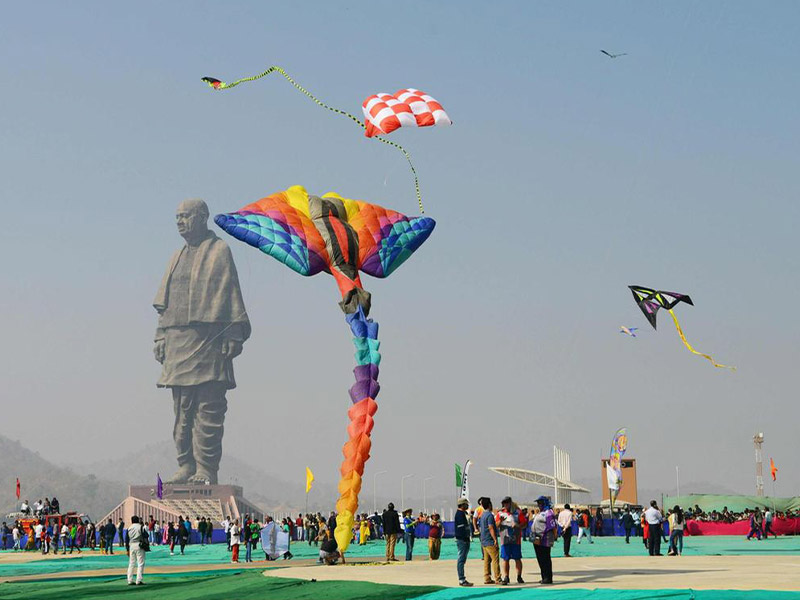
(364, 389)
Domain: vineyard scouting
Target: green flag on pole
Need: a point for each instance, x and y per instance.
(459, 480)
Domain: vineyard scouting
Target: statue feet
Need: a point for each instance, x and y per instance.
(182, 475)
(203, 476)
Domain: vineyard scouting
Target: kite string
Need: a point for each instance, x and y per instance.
(353, 118)
(692, 350)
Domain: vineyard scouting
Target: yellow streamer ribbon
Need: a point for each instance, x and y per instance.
(221, 85)
(692, 350)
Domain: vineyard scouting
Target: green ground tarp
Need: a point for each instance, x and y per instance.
(709, 502)
(217, 553)
(251, 585)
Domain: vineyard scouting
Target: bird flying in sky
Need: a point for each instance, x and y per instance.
(609, 55)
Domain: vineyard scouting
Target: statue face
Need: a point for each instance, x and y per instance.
(190, 219)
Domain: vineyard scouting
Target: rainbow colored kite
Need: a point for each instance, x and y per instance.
(311, 234)
(614, 466)
(649, 301)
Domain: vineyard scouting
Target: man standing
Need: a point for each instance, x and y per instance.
(768, 524)
(226, 527)
(202, 326)
(654, 518)
(409, 532)
(627, 524)
(491, 549)
(109, 533)
(583, 526)
(511, 521)
(463, 538)
(391, 527)
(136, 554)
(565, 522)
(121, 529)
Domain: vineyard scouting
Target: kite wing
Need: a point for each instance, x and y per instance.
(280, 226)
(650, 300)
(383, 113)
(386, 238)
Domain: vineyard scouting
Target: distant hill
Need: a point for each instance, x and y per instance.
(264, 489)
(39, 479)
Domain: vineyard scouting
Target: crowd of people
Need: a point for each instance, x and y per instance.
(40, 508)
(500, 532)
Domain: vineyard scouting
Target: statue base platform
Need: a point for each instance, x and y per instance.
(192, 501)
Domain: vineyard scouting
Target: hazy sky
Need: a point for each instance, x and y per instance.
(566, 177)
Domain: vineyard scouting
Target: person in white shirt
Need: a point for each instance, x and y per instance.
(16, 537)
(235, 531)
(25, 508)
(136, 534)
(565, 522)
(37, 531)
(654, 519)
(63, 538)
(768, 525)
(677, 523)
(226, 526)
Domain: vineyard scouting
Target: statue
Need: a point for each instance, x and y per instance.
(202, 325)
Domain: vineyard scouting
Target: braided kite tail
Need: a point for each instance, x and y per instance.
(356, 450)
(220, 85)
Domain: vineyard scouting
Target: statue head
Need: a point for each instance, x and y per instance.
(192, 220)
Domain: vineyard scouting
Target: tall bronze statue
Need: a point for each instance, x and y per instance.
(202, 325)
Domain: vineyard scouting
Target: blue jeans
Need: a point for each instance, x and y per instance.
(248, 552)
(463, 550)
(409, 540)
(676, 541)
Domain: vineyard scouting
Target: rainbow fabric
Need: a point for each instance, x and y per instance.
(343, 237)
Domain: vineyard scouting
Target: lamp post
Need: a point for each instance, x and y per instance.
(374, 497)
(425, 494)
(403, 490)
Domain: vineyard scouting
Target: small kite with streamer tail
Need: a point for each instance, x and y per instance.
(336, 235)
(406, 107)
(619, 444)
(649, 301)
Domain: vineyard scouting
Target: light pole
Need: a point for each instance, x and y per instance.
(403, 490)
(374, 501)
(425, 494)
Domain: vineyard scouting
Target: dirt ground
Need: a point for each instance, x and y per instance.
(619, 572)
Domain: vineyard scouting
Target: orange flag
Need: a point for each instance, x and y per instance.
(773, 469)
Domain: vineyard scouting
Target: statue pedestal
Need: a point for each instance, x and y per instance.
(190, 501)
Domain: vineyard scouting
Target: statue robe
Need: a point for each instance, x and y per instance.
(200, 306)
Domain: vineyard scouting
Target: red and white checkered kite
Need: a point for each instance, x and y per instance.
(383, 113)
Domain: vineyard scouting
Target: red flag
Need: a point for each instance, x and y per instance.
(773, 469)
(17, 488)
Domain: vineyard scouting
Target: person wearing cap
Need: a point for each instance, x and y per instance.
(391, 527)
(409, 531)
(565, 522)
(491, 550)
(510, 522)
(463, 538)
(544, 534)
(435, 536)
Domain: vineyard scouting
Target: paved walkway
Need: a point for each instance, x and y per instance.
(620, 572)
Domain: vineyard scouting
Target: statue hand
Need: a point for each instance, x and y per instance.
(231, 348)
(159, 350)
